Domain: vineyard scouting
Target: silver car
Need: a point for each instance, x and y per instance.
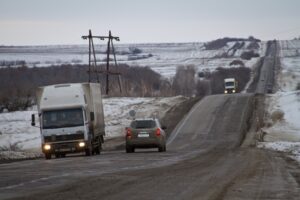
(145, 133)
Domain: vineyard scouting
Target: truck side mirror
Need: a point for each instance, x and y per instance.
(32, 120)
(92, 115)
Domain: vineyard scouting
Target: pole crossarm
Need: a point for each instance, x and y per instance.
(85, 37)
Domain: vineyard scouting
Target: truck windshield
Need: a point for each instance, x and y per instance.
(143, 124)
(62, 118)
(229, 84)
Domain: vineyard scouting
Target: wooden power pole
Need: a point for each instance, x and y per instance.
(93, 62)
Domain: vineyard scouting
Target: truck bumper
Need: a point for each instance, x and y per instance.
(64, 147)
(230, 91)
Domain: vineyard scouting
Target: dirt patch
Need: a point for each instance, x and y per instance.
(256, 122)
(277, 115)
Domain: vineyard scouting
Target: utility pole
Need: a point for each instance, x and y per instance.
(91, 53)
(110, 47)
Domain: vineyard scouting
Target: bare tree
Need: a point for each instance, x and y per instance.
(184, 80)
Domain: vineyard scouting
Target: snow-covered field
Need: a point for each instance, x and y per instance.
(163, 58)
(18, 139)
(284, 135)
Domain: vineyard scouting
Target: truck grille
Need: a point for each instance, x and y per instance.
(58, 138)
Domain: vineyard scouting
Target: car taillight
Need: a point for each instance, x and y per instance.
(128, 132)
(158, 132)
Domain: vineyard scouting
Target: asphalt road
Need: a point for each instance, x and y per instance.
(204, 160)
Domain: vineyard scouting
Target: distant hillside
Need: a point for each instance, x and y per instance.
(220, 43)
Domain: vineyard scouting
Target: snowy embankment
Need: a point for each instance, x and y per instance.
(283, 133)
(19, 140)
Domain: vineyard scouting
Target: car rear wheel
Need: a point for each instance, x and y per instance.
(165, 148)
(129, 149)
(162, 148)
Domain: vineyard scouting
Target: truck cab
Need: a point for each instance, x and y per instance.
(230, 85)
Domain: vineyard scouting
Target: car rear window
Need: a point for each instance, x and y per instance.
(143, 124)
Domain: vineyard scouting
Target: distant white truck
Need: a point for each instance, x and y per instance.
(71, 119)
(230, 85)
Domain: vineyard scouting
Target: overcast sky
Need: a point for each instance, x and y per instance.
(39, 22)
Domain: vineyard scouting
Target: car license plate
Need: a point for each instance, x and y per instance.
(143, 135)
(64, 149)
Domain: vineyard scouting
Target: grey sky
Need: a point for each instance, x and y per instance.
(34, 22)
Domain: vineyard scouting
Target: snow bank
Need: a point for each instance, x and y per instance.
(284, 135)
(13, 155)
(290, 74)
(292, 148)
(18, 139)
(289, 128)
(16, 131)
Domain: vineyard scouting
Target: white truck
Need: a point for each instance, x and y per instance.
(71, 119)
(230, 85)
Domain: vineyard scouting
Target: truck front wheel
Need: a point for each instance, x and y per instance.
(89, 148)
(48, 156)
(98, 148)
(88, 151)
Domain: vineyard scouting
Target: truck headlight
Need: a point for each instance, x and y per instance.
(81, 144)
(233, 91)
(225, 91)
(47, 147)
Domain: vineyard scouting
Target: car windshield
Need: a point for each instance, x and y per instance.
(140, 124)
(62, 118)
